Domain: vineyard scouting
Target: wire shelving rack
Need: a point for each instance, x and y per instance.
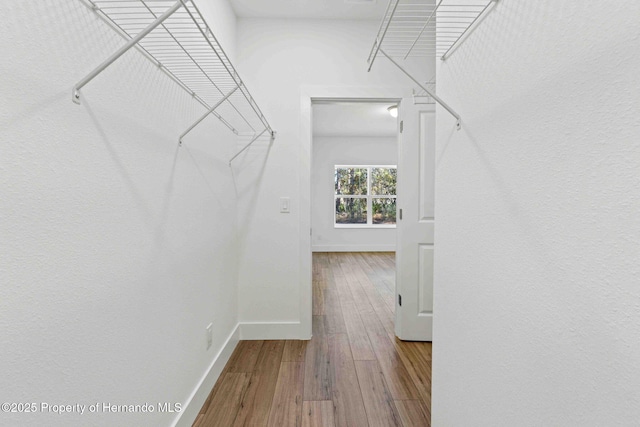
(421, 28)
(175, 37)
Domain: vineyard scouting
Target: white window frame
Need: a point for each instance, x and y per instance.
(368, 196)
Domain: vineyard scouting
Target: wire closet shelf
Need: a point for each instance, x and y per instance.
(421, 28)
(174, 36)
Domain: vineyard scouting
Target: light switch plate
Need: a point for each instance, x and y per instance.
(285, 205)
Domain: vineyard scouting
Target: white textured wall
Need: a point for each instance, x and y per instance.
(537, 273)
(331, 151)
(117, 248)
(278, 59)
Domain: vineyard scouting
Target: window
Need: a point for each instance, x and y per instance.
(365, 196)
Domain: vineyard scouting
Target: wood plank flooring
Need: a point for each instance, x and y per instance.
(353, 372)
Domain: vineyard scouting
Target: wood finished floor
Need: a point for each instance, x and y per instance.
(352, 373)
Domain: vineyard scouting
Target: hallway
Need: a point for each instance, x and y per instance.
(353, 372)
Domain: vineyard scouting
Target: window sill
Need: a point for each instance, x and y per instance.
(368, 226)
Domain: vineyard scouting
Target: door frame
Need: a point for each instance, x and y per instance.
(308, 95)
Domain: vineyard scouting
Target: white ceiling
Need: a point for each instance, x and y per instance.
(353, 119)
(314, 9)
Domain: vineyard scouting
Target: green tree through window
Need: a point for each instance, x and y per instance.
(365, 195)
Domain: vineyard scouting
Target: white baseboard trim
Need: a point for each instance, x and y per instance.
(271, 331)
(353, 248)
(199, 395)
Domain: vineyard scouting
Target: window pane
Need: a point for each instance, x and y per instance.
(350, 210)
(383, 181)
(351, 181)
(384, 211)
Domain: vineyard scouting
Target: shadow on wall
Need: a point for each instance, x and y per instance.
(247, 171)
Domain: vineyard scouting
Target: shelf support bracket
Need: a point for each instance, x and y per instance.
(430, 93)
(131, 43)
(205, 115)
(251, 142)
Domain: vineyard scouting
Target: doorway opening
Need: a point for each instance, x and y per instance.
(341, 198)
(354, 159)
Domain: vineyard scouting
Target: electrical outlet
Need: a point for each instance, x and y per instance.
(209, 335)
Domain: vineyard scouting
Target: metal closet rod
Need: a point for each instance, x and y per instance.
(224, 63)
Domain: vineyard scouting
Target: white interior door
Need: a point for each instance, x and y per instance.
(415, 222)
